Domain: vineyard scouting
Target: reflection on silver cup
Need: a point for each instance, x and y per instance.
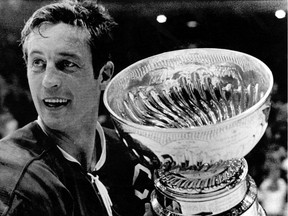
(200, 111)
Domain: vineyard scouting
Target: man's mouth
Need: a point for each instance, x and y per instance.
(55, 102)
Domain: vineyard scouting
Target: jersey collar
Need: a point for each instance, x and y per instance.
(96, 165)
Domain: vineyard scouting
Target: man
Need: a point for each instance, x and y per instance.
(65, 163)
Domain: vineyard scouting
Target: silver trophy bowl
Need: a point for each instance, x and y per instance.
(200, 111)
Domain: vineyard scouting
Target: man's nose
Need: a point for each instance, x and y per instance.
(52, 78)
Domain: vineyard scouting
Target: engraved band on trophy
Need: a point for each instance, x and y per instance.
(200, 111)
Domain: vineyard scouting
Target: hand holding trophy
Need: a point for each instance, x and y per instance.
(200, 111)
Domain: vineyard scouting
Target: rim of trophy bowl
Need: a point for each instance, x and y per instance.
(154, 129)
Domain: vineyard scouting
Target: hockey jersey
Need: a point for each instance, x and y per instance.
(36, 178)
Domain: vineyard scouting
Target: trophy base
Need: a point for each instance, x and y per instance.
(241, 199)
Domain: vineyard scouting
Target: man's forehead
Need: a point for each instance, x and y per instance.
(68, 35)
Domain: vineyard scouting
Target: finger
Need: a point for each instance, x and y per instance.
(148, 210)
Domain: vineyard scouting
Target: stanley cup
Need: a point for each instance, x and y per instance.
(200, 111)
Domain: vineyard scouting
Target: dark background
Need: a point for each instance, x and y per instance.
(245, 26)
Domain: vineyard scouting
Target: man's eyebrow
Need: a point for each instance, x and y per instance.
(64, 54)
(69, 54)
(34, 52)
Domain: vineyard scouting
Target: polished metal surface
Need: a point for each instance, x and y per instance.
(166, 201)
(200, 106)
(240, 201)
(200, 111)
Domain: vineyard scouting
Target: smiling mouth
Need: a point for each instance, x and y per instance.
(55, 102)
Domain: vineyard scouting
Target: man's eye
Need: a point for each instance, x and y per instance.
(38, 63)
(66, 65)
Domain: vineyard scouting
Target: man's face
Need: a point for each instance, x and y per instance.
(60, 76)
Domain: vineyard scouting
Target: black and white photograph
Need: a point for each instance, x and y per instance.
(143, 108)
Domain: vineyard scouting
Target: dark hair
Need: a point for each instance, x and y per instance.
(85, 14)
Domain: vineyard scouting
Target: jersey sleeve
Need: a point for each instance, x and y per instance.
(21, 206)
(32, 192)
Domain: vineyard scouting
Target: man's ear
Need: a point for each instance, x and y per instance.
(106, 74)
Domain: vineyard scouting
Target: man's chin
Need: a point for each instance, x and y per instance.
(55, 123)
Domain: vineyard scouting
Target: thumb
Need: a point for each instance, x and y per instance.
(148, 210)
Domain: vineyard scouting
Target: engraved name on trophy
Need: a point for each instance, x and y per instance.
(200, 111)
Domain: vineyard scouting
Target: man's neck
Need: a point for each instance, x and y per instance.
(78, 142)
(81, 145)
